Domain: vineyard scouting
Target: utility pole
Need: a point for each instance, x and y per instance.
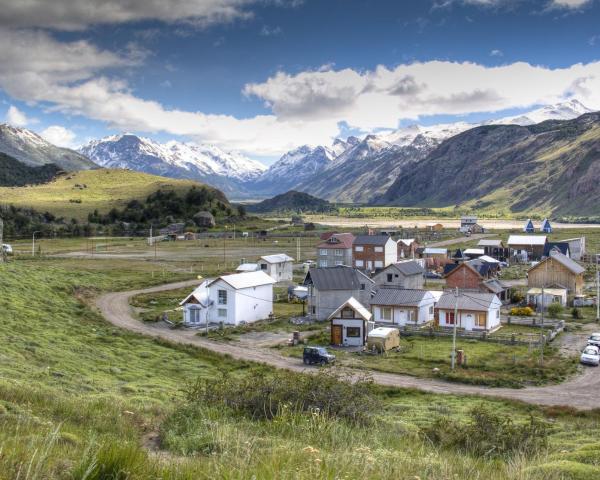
(33, 244)
(2, 252)
(298, 249)
(542, 331)
(597, 289)
(454, 329)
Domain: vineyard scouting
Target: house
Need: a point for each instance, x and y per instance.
(561, 247)
(476, 275)
(407, 274)
(474, 252)
(350, 324)
(466, 223)
(550, 295)
(493, 248)
(435, 257)
(230, 299)
(248, 267)
(328, 288)
(372, 252)
(476, 311)
(546, 227)
(576, 247)
(527, 247)
(557, 270)
(407, 248)
(529, 228)
(335, 250)
(399, 306)
(280, 267)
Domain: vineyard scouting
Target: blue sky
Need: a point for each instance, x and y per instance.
(265, 76)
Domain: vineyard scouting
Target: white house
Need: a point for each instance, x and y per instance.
(231, 299)
(350, 324)
(551, 295)
(280, 267)
(247, 267)
(399, 306)
(476, 311)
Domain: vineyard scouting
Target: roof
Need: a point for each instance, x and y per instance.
(200, 293)
(356, 306)
(435, 251)
(277, 258)
(247, 267)
(449, 267)
(246, 280)
(338, 240)
(559, 292)
(407, 268)
(488, 259)
(490, 242)
(527, 240)
(400, 297)
(480, 267)
(336, 278)
(436, 294)
(468, 301)
(406, 241)
(474, 251)
(381, 332)
(495, 285)
(562, 247)
(371, 239)
(572, 265)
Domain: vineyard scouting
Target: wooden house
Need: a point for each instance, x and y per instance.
(557, 270)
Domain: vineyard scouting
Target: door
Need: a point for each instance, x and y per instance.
(336, 334)
(369, 265)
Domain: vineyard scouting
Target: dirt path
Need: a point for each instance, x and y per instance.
(454, 241)
(580, 392)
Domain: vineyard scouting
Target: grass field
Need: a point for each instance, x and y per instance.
(82, 399)
(104, 189)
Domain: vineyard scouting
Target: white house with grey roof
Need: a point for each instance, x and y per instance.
(279, 266)
(476, 311)
(400, 306)
(407, 274)
(328, 288)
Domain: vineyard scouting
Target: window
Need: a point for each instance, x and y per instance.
(431, 310)
(323, 251)
(390, 277)
(378, 264)
(353, 332)
(450, 318)
(347, 313)
(358, 248)
(481, 320)
(362, 286)
(222, 297)
(378, 249)
(313, 310)
(322, 263)
(386, 313)
(359, 263)
(411, 315)
(338, 253)
(222, 312)
(263, 266)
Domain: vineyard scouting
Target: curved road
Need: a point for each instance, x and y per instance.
(581, 392)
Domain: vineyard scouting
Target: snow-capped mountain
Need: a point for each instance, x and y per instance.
(174, 159)
(560, 111)
(29, 148)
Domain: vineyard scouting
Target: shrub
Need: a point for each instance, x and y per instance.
(522, 311)
(264, 396)
(576, 313)
(114, 461)
(555, 309)
(516, 297)
(489, 434)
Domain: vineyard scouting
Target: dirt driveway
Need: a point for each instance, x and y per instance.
(580, 392)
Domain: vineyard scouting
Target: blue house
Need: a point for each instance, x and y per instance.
(546, 227)
(529, 227)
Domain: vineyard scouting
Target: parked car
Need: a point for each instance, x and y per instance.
(590, 356)
(6, 248)
(594, 340)
(317, 355)
(433, 275)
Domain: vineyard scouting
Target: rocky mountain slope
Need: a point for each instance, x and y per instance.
(16, 174)
(553, 166)
(29, 148)
(229, 171)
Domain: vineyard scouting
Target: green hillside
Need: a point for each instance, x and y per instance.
(15, 173)
(552, 168)
(77, 194)
(291, 201)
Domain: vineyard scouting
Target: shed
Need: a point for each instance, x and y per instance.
(350, 323)
(383, 339)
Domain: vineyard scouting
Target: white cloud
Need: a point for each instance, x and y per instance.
(16, 117)
(496, 53)
(58, 135)
(570, 3)
(267, 31)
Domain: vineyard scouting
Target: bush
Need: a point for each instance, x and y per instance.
(516, 297)
(555, 309)
(521, 311)
(576, 313)
(489, 434)
(264, 396)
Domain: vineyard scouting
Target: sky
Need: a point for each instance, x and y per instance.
(265, 76)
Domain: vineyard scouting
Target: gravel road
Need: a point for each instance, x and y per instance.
(579, 392)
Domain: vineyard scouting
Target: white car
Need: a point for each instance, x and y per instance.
(594, 340)
(6, 248)
(590, 356)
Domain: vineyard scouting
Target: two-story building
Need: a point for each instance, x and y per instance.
(407, 274)
(335, 250)
(557, 270)
(373, 252)
(279, 266)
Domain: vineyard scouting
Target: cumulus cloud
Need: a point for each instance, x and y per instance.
(16, 117)
(496, 53)
(58, 135)
(570, 3)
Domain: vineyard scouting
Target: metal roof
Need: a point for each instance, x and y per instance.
(338, 240)
(248, 267)
(468, 301)
(435, 251)
(277, 258)
(400, 297)
(246, 279)
(407, 268)
(492, 242)
(488, 259)
(356, 306)
(495, 285)
(527, 240)
(371, 240)
(336, 278)
(474, 251)
(572, 265)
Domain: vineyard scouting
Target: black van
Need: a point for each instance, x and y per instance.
(317, 355)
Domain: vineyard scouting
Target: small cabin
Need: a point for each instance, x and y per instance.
(350, 324)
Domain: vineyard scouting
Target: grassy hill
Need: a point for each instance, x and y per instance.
(77, 194)
(552, 168)
(15, 173)
(291, 201)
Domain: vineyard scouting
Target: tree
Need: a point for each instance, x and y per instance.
(555, 309)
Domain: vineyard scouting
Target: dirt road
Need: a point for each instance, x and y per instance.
(580, 392)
